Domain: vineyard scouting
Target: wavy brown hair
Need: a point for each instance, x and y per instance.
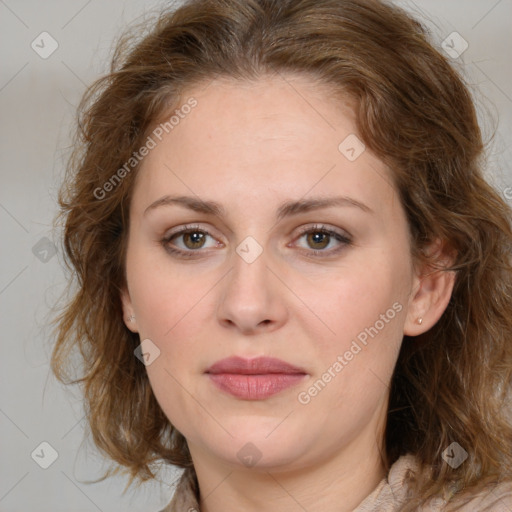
(413, 111)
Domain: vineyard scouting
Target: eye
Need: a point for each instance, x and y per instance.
(192, 238)
(319, 237)
(189, 240)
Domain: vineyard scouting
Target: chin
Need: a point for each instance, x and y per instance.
(257, 443)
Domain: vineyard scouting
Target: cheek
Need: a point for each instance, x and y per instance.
(364, 307)
(162, 297)
(167, 307)
(170, 309)
(354, 298)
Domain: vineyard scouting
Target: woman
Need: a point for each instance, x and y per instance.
(292, 279)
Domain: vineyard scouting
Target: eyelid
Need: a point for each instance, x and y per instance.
(323, 227)
(189, 227)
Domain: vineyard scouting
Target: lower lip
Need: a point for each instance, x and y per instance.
(255, 387)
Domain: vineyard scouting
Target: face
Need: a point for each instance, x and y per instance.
(304, 258)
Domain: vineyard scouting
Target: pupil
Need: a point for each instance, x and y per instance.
(195, 237)
(320, 238)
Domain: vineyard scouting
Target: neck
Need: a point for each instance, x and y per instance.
(338, 484)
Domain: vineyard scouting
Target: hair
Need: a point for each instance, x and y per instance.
(413, 110)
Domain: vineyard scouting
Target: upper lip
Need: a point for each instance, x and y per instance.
(255, 366)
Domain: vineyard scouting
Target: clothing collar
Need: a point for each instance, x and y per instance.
(389, 494)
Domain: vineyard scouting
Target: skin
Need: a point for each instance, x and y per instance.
(251, 147)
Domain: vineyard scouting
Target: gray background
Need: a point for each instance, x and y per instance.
(38, 98)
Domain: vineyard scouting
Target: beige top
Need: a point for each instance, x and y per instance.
(386, 497)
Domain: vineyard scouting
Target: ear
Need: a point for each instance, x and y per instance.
(431, 291)
(130, 320)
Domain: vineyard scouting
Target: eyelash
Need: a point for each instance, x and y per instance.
(317, 228)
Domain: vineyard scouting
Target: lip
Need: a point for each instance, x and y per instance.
(255, 366)
(254, 379)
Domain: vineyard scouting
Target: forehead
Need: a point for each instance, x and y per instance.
(279, 135)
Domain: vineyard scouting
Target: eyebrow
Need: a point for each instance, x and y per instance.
(286, 209)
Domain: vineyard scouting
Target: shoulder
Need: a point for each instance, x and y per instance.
(393, 493)
(495, 498)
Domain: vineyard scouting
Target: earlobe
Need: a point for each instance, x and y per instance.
(432, 295)
(128, 314)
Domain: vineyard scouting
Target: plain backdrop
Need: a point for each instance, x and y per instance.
(38, 98)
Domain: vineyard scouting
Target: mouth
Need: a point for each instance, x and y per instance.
(254, 379)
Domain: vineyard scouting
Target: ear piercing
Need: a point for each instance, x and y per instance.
(419, 320)
(131, 318)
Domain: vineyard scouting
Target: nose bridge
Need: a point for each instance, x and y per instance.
(249, 276)
(251, 296)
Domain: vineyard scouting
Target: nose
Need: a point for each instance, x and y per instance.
(253, 298)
